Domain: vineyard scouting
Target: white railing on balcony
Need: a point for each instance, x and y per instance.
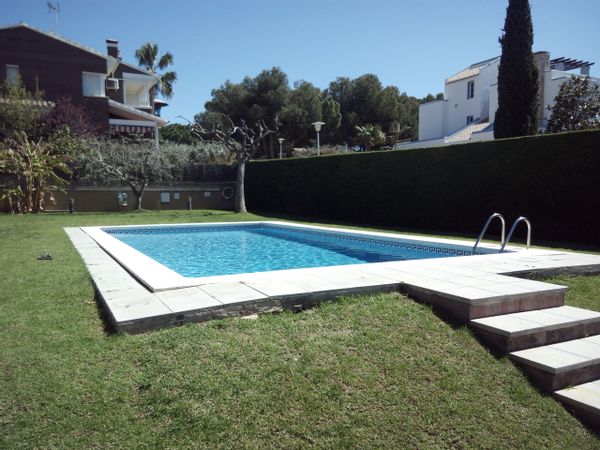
(138, 100)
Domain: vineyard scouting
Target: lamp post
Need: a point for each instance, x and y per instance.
(280, 147)
(318, 126)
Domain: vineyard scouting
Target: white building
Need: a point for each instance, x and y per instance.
(467, 111)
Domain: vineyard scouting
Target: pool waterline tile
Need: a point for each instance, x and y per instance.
(157, 276)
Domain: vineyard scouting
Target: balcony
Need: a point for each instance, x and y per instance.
(139, 99)
(136, 88)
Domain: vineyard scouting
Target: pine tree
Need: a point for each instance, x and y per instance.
(517, 113)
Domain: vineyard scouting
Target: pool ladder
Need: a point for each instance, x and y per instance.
(503, 239)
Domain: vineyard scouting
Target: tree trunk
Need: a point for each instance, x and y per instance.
(240, 196)
(152, 95)
(138, 201)
(271, 147)
(138, 194)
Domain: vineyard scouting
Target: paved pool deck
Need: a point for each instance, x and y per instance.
(466, 287)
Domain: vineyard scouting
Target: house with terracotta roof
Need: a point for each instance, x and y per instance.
(115, 93)
(467, 111)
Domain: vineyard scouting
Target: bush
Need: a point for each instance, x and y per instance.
(554, 180)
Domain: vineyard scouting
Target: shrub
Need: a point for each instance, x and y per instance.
(551, 179)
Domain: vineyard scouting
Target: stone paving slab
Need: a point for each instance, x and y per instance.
(138, 308)
(585, 395)
(232, 292)
(187, 299)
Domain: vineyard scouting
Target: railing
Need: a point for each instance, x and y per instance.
(485, 227)
(141, 100)
(512, 230)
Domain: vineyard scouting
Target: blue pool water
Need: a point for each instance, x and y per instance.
(200, 251)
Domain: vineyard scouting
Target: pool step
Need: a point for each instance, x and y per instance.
(556, 366)
(518, 331)
(583, 401)
(495, 295)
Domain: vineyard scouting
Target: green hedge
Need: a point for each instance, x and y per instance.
(554, 180)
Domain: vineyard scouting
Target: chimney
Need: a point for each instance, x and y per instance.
(112, 48)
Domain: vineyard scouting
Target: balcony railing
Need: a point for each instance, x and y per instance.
(138, 100)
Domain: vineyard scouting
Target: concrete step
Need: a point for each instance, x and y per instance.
(583, 401)
(467, 298)
(517, 331)
(556, 366)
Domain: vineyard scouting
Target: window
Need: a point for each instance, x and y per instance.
(471, 89)
(93, 84)
(469, 119)
(12, 74)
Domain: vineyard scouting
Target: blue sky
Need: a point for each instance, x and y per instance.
(410, 44)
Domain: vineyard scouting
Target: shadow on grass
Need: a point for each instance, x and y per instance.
(107, 325)
(456, 324)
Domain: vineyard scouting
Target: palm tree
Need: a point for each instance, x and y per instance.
(147, 56)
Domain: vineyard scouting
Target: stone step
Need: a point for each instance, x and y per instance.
(518, 331)
(478, 297)
(556, 366)
(583, 401)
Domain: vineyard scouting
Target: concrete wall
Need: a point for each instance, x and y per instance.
(432, 119)
(105, 199)
(459, 107)
(488, 79)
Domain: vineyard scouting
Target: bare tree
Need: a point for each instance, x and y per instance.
(241, 140)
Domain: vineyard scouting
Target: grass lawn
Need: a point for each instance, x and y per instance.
(371, 372)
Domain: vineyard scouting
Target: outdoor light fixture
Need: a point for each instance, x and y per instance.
(318, 126)
(280, 147)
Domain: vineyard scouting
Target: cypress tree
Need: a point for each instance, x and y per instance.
(517, 75)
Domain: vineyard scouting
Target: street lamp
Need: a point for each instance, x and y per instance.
(318, 126)
(280, 147)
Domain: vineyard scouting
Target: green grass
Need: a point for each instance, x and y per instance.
(371, 372)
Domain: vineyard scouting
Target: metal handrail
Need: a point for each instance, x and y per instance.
(485, 227)
(512, 230)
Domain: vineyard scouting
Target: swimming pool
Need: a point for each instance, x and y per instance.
(187, 253)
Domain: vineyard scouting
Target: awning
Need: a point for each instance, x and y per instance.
(131, 129)
(131, 113)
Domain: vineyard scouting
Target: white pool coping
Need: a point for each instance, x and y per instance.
(467, 287)
(157, 277)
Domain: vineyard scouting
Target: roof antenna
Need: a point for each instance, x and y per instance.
(54, 8)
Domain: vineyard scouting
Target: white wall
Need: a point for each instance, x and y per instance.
(488, 76)
(432, 120)
(493, 105)
(459, 106)
(552, 82)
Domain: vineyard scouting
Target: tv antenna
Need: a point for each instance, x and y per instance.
(54, 8)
